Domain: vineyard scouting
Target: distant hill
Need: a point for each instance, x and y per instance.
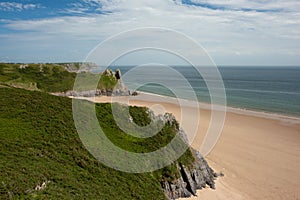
(50, 77)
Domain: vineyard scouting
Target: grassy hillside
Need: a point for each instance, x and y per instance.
(47, 77)
(39, 143)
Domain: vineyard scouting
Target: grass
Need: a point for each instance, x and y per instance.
(48, 77)
(39, 143)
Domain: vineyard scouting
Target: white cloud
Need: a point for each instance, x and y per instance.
(285, 5)
(13, 6)
(222, 32)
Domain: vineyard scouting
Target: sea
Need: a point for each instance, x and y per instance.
(260, 88)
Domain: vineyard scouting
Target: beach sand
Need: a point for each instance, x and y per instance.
(258, 153)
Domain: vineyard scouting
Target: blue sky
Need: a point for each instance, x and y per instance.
(234, 32)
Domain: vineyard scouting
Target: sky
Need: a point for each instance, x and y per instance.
(233, 32)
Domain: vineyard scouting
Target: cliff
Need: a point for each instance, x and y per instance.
(191, 173)
(196, 175)
(192, 178)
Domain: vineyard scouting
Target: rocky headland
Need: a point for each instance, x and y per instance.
(114, 86)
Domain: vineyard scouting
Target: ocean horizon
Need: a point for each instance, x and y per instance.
(263, 89)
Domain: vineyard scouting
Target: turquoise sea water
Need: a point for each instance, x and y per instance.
(267, 89)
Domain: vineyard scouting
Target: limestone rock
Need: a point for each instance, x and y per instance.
(193, 178)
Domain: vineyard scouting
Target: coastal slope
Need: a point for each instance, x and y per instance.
(42, 156)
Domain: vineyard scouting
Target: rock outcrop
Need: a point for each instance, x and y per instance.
(98, 92)
(79, 67)
(196, 176)
(192, 178)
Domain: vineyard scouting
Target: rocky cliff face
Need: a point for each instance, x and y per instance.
(192, 178)
(196, 176)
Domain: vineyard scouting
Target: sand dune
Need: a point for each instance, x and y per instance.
(258, 153)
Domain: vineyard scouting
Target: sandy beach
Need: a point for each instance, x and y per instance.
(258, 153)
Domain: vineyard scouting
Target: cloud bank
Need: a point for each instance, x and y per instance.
(234, 32)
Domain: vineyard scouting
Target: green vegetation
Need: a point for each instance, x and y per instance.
(39, 143)
(107, 82)
(48, 77)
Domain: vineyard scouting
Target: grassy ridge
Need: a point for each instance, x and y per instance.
(47, 77)
(38, 143)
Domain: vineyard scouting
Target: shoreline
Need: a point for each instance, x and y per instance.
(237, 110)
(152, 97)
